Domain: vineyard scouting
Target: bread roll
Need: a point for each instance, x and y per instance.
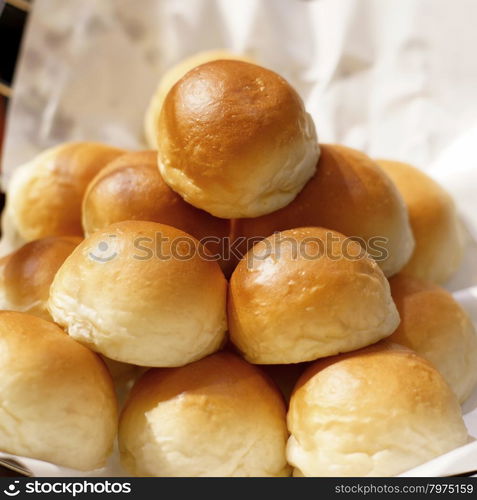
(235, 140)
(218, 416)
(142, 293)
(375, 412)
(349, 194)
(27, 273)
(435, 326)
(437, 230)
(305, 294)
(57, 397)
(44, 196)
(170, 77)
(25, 279)
(131, 188)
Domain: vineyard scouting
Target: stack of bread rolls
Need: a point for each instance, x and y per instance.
(281, 296)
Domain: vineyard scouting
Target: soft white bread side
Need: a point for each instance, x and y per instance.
(142, 293)
(217, 417)
(57, 397)
(375, 412)
(235, 139)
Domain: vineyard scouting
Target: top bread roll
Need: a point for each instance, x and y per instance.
(235, 140)
(167, 81)
(436, 227)
(131, 188)
(44, 196)
(26, 274)
(349, 193)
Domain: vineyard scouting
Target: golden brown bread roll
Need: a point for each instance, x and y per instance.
(235, 140)
(27, 273)
(44, 196)
(218, 416)
(142, 293)
(305, 294)
(131, 188)
(57, 397)
(170, 77)
(349, 194)
(435, 326)
(375, 412)
(437, 230)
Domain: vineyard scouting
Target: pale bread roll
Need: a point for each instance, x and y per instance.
(437, 230)
(435, 326)
(217, 417)
(44, 195)
(58, 401)
(142, 293)
(375, 412)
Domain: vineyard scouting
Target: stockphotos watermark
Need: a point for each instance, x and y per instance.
(69, 488)
(331, 246)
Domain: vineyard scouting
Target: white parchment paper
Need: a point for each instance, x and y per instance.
(397, 79)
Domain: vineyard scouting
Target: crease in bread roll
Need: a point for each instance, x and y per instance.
(235, 139)
(348, 193)
(131, 188)
(435, 326)
(170, 77)
(375, 412)
(437, 230)
(285, 376)
(142, 293)
(44, 195)
(27, 273)
(219, 417)
(57, 400)
(307, 293)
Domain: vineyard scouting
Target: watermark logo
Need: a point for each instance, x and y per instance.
(105, 250)
(12, 490)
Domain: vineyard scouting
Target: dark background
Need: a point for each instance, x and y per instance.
(13, 18)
